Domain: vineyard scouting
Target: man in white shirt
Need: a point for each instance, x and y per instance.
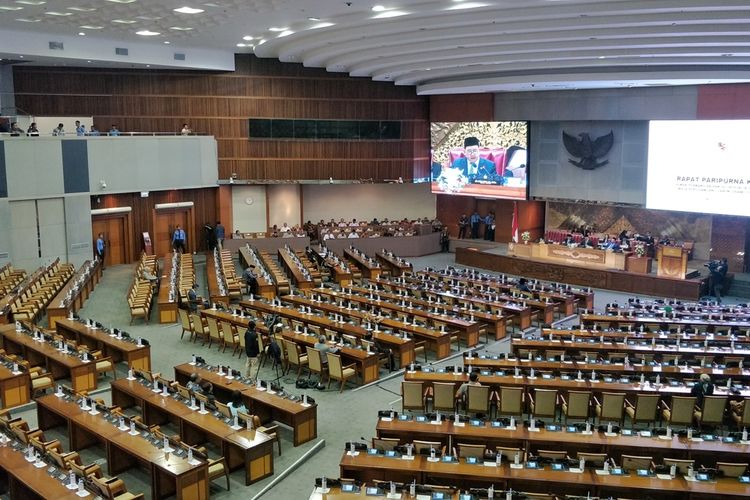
(353, 234)
(285, 228)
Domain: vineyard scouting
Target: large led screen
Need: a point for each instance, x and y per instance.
(699, 166)
(486, 159)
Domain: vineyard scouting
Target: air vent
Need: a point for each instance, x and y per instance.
(120, 51)
(179, 57)
(79, 246)
(56, 46)
(4, 255)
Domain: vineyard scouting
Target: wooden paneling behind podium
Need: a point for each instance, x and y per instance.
(220, 104)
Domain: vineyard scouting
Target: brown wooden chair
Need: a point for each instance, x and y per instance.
(339, 372)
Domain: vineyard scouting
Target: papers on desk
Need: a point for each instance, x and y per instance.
(602, 472)
(575, 470)
(665, 477)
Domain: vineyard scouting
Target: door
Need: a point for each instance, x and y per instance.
(116, 237)
(165, 222)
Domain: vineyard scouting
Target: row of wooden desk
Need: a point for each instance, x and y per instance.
(660, 337)
(268, 406)
(369, 267)
(20, 479)
(266, 288)
(170, 475)
(378, 467)
(80, 286)
(176, 267)
(397, 265)
(245, 449)
(289, 264)
(340, 272)
(135, 357)
(681, 322)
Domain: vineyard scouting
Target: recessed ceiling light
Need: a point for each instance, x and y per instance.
(188, 10)
(313, 19)
(285, 33)
(31, 2)
(81, 33)
(180, 28)
(390, 13)
(121, 1)
(148, 65)
(321, 25)
(167, 42)
(261, 41)
(467, 5)
(91, 27)
(82, 9)
(602, 57)
(278, 29)
(378, 8)
(241, 45)
(58, 14)
(148, 18)
(28, 20)
(21, 57)
(13, 8)
(124, 21)
(147, 33)
(88, 61)
(247, 38)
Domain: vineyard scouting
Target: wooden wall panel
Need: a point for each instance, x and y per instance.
(220, 104)
(205, 210)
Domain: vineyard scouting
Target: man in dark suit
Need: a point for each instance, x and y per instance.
(474, 167)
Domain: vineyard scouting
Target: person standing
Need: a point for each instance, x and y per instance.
(718, 272)
(80, 129)
(186, 130)
(474, 220)
(463, 223)
(220, 232)
(489, 227)
(100, 248)
(59, 130)
(178, 239)
(114, 131)
(251, 280)
(445, 240)
(193, 300)
(251, 350)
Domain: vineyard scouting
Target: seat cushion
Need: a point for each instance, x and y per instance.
(216, 469)
(349, 372)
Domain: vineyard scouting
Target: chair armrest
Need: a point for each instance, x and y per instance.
(353, 365)
(596, 400)
(562, 398)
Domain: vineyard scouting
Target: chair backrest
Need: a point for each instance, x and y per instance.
(511, 401)
(313, 359)
(183, 391)
(682, 410)
(443, 396)
(682, 465)
(478, 398)
(713, 409)
(646, 406)
(411, 395)
(198, 324)
(335, 369)
(185, 319)
(261, 344)
(545, 402)
(612, 406)
(223, 409)
(630, 462)
(291, 351)
(384, 444)
(731, 469)
(426, 445)
(471, 450)
(745, 419)
(578, 404)
(553, 454)
(553, 354)
(592, 459)
(510, 453)
(213, 328)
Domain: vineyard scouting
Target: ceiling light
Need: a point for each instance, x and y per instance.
(81, 33)
(285, 33)
(180, 28)
(27, 20)
(390, 13)
(313, 19)
(378, 8)
(124, 21)
(278, 29)
(58, 14)
(261, 41)
(121, 1)
(91, 27)
(148, 65)
(167, 42)
(188, 10)
(88, 61)
(82, 9)
(31, 2)
(467, 5)
(321, 25)
(147, 33)
(2, 7)
(241, 45)
(247, 38)
(148, 18)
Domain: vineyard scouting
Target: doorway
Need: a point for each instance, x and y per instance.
(117, 230)
(165, 222)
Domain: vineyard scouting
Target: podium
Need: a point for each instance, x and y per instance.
(672, 262)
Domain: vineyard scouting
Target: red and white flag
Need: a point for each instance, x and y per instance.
(514, 224)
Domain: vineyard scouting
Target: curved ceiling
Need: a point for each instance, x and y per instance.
(444, 46)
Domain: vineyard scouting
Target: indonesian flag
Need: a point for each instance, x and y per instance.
(514, 224)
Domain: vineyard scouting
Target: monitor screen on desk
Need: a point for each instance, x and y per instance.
(699, 166)
(484, 159)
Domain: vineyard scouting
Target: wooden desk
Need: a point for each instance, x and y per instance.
(137, 358)
(370, 268)
(170, 475)
(671, 261)
(290, 266)
(635, 335)
(266, 288)
(80, 286)
(15, 388)
(212, 276)
(166, 300)
(397, 265)
(25, 481)
(579, 256)
(244, 449)
(648, 320)
(302, 419)
(439, 343)
(82, 374)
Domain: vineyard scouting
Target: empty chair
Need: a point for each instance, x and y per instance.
(478, 399)
(509, 454)
(611, 408)
(680, 464)
(644, 409)
(543, 404)
(670, 359)
(712, 411)
(470, 450)
(339, 372)
(731, 469)
(426, 446)
(443, 396)
(271, 431)
(294, 357)
(552, 454)
(741, 414)
(554, 355)
(384, 444)
(592, 459)
(577, 405)
(511, 401)
(412, 396)
(681, 411)
(214, 335)
(630, 462)
(617, 357)
(200, 328)
(187, 324)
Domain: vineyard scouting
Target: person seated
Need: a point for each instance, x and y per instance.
(613, 245)
(237, 234)
(32, 130)
(523, 285)
(353, 234)
(15, 130)
(93, 131)
(323, 347)
(236, 404)
(149, 277)
(342, 223)
(327, 236)
(464, 389)
(354, 223)
(704, 387)
(342, 235)
(194, 384)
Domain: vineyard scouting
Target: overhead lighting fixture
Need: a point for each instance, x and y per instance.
(81, 33)
(10, 8)
(121, 1)
(261, 41)
(390, 13)
(124, 21)
(285, 33)
(88, 61)
(188, 10)
(82, 9)
(278, 29)
(321, 25)
(167, 42)
(241, 45)
(313, 19)
(147, 33)
(180, 28)
(28, 20)
(378, 8)
(467, 5)
(31, 2)
(58, 14)
(247, 38)
(91, 27)
(148, 18)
